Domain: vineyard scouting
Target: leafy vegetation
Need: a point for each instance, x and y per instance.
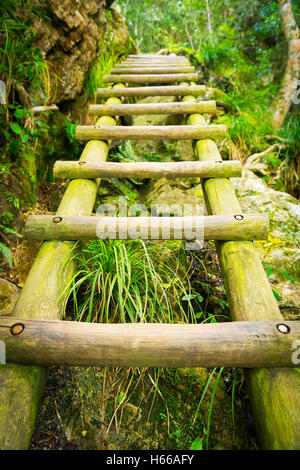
(239, 47)
(19, 128)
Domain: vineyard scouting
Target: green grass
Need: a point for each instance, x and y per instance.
(291, 170)
(130, 281)
(101, 66)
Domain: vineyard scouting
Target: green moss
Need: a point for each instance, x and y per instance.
(20, 391)
(152, 417)
(276, 431)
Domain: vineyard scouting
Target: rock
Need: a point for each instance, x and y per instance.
(249, 184)
(289, 302)
(157, 413)
(70, 40)
(177, 195)
(181, 150)
(8, 296)
(281, 251)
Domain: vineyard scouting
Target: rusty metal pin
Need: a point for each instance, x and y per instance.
(17, 329)
(239, 217)
(81, 163)
(56, 220)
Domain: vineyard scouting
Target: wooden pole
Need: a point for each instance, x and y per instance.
(274, 393)
(156, 56)
(149, 132)
(149, 69)
(42, 297)
(161, 59)
(44, 109)
(81, 169)
(151, 108)
(163, 78)
(141, 63)
(213, 227)
(64, 343)
(197, 90)
(154, 65)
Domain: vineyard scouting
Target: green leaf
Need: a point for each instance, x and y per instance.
(287, 275)
(14, 146)
(70, 131)
(25, 138)
(189, 297)
(197, 444)
(276, 295)
(200, 298)
(6, 252)
(269, 271)
(22, 113)
(212, 318)
(121, 397)
(15, 127)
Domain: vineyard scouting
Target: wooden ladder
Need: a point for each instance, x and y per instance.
(258, 337)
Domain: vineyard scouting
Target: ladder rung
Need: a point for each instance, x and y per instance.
(158, 57)
(152, 108)
(149, 132)
(173, 90)
(211, 227)
(154, 61)
(125, 65)
(163, 78)
(151, 70)
(208, 169)
(68, 343)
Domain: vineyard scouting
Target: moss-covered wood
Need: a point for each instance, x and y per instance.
(275, 393)
(150, 70)
(155, 78)
(42, 297)
(152, 108)
(211, 227)
(232, 344)
(70, 169)
(172, 90)
(20, 390)
(149, 132)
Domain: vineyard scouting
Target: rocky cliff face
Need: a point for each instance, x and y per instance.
(70, 36)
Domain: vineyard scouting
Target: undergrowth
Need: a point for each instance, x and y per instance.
(22, 68)
(129, 281)
(119, 281)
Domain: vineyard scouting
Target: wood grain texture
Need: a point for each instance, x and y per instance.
(238, 344)
(141, 63)
(151, 108)
(71, 169)
(149, 132)
(173, 90)
(158, 58)
(150, 70)
(217, 227)
(155, 78)
(274, 393)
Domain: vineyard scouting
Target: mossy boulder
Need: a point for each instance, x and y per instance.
(8, 296)
(281, 251)
(122, 409)
(167, 150)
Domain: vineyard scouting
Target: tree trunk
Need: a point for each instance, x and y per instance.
(292, 71)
